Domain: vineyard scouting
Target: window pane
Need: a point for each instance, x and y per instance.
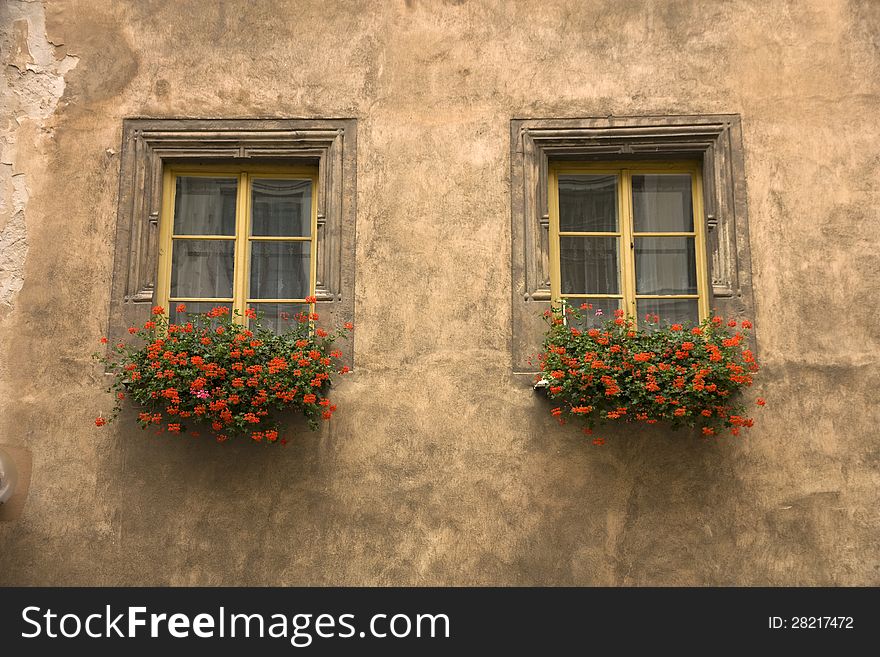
(595, 317)
(280, 270)
(193, 308)
(279, 316)
(588, 203)
(589, 265)
(205, 206)
(674, 311)
(281, 208)
(202, 268)
(662, 203)
(665, 265)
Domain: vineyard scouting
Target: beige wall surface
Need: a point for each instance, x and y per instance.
(442, 466)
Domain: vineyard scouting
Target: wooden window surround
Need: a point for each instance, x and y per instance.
(150, 146)
(714, 141)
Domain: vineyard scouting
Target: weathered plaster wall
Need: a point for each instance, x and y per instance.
(441, 466)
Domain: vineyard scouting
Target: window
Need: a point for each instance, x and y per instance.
(237, 183)
(654, 267)
(623, 236)
(238, 237)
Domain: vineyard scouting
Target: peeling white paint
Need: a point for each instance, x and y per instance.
(30, 88)
(13, 242)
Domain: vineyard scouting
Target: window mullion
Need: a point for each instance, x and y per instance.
(555, 247)
(166, 228)
(700, 244)
(313, 246)
(627, 246)
(242, 229)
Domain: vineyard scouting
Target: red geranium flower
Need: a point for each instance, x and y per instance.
(217, 371)
(625, 373)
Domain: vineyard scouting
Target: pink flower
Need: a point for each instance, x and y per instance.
(598, 312)
(202, 394)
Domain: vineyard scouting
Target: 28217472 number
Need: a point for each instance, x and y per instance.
(811, 623)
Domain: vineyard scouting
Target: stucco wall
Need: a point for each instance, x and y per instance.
(441, 466)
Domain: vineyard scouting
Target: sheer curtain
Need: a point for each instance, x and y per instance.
(280, 208)
(664, 265)
(280, 270)
(588, 203)
(203, 268)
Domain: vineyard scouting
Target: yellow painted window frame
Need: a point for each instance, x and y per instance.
(626, 257)
(242, 238)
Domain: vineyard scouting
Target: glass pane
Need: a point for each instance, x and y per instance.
(205, 206)
(281, 208)
(280, 270)
(193, 308)
(202, 268)
(588, 203)
(674, 311)
(662, 203)
(595, 317)
(279, 316)
(665, 265)
(589, 265)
